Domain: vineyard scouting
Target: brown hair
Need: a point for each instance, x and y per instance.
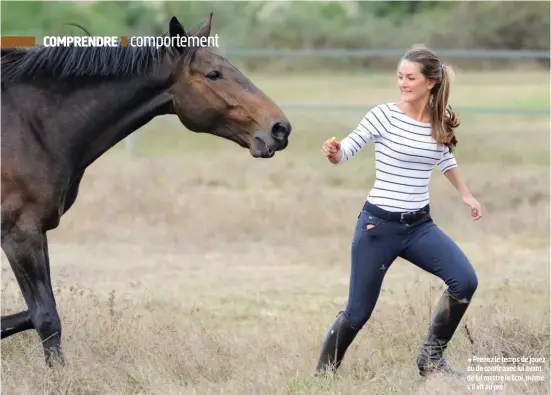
(443, 119)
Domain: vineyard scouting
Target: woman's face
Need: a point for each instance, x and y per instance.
(414, 87)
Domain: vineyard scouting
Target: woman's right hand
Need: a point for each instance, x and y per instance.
(331, 149)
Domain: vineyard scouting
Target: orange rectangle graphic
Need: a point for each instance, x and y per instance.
(18, 41)
(124, 41)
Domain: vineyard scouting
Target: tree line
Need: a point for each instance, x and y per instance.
(287, 25)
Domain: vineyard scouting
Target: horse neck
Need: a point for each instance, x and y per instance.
(102, 114)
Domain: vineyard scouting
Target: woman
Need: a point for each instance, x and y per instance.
(410, 138)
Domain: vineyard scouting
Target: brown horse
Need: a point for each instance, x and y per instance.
(64, 107)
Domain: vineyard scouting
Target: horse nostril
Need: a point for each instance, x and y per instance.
(281, 130)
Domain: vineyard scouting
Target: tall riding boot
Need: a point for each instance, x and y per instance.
(337, 340)
(448, 314)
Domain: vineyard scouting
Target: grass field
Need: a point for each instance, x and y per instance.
(195, 269)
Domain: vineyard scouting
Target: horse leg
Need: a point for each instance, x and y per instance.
(15, 323)
(27, 252)
(19, 322)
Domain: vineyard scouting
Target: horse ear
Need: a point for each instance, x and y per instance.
(176, 28)
(204, 31)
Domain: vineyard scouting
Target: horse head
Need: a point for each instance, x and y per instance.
(210, 95)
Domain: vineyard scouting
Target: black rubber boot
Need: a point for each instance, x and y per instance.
(446, 319)
(337, 340)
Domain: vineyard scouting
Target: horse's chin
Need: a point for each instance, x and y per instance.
(259, 149)
(258, 146)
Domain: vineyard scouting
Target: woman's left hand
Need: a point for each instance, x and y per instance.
(476, 210)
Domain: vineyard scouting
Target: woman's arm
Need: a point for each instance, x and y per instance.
(338, 152)
(455, 179)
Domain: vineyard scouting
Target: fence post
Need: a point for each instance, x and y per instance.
(130, 144)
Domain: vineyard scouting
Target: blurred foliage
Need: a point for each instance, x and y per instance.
(323, 24)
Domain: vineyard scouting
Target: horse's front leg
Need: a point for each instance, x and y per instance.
(26, 248)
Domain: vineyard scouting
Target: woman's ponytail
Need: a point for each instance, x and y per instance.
(443, 119)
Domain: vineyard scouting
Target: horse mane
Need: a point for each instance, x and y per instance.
(61, 63)
(64, 63)
(9, 50)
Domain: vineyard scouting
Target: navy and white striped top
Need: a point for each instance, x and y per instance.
(405, 156)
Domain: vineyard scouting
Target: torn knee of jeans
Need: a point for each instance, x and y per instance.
(460, 300)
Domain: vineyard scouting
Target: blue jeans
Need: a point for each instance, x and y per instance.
(378, 241)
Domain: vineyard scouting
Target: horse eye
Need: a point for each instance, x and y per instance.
(214, 75)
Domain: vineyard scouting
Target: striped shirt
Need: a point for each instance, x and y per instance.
(405, 156)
